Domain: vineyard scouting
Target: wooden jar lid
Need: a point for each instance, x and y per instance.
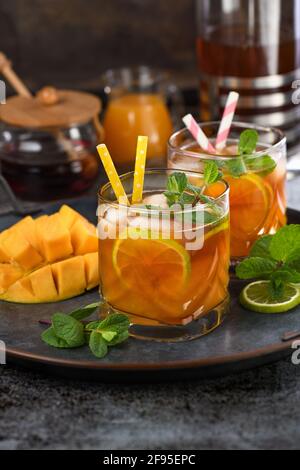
(50, 108)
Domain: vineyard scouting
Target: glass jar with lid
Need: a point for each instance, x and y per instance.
(47, 143)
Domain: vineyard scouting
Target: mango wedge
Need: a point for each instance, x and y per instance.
(84, 237)
(69, 216)
(55, 239)
(91, 265)
(4, 258)
(18, 249)
(27, 228)
(9, 274)
(69, 276)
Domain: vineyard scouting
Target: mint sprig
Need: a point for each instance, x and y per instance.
(246, 160)
(180, 191)
(248, 142)
(275, 258)
(69, 331)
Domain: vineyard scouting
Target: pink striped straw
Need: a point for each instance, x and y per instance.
(227, 119)
(198, 133)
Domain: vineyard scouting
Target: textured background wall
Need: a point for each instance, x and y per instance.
(70, 42)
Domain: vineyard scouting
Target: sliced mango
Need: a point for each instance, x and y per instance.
(9, 274)
(43, 285)
(27, 227)
(18, 249)
(69, 216)
(84, 237)
(55, 238)
(4, 258)
(20, 292)
(69, 277)
(48, 259)
(91, 270)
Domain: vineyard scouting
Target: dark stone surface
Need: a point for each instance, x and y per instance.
(254, 410)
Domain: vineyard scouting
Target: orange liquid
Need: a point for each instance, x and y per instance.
(132, 115)
(257, 202)
(149, 288)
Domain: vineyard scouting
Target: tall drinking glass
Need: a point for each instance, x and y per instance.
(257, 182)
(166, 268)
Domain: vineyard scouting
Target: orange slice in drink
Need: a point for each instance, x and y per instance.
(249, 205)
(152, 265)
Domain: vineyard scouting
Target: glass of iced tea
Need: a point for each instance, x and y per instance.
(257, 181)
(164, 266)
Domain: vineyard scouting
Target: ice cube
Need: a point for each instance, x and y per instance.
(157, 200)
(111, 220)
(156, 225)
(186, 163)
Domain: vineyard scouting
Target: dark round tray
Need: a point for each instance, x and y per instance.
(245, 340)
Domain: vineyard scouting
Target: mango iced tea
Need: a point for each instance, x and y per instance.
(156, 268)
(257, 188)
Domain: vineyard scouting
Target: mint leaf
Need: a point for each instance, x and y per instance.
(49, 337)
(261, 247)
(194, 189)
(98, 345)
(294, 263)
(109, 335)
(276, 289)
(177, 182)
(186, 198)
(236, 167)
(114, 328)
(115, 322)
(85, 312)
(172, 198)
(211, 173)
(248, 142)
(264, 164)
(93, 325)
(285, 244)
(68, 329)
(286, 274)
(252, 268)
(120, 338)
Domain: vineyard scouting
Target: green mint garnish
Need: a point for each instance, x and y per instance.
(247, 161)
(181, 191)
(275, 258)
(98, 345)
(263, 165)
(211, 173)
(248, 142)
(177, 183)
(236, 167)
(68, 331)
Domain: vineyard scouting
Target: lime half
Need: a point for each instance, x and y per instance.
(257, 297)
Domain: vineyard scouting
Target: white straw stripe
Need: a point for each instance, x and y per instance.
(197, 133)
(227, 119)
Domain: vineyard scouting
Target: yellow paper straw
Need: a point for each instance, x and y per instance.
(112, 174)
(139, 172)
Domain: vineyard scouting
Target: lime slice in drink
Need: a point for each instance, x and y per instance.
(219, 228)
(150, 264)
(257, 297)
